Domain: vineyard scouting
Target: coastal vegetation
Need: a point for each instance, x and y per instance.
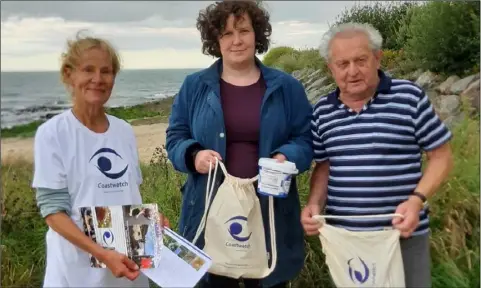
(150, 112)
(440, 36)
(445, 46)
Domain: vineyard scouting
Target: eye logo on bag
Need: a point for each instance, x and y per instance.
(356, 275)
(104, 163)
(108, 237)
(236, 227)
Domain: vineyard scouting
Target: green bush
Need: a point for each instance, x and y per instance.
(386, 17)
(288, 63)
(391, 58)
(310, 58)
(290, 60)
(274, 54)
(443, 36)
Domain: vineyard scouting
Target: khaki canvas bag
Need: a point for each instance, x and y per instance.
(362, 258)
(234, 230)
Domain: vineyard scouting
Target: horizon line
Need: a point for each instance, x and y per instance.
(125, 69)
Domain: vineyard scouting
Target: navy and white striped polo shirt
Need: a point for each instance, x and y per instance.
(375, 155)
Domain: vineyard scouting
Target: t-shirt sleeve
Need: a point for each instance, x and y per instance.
(430, 131)
(320, 154)
(49, 169)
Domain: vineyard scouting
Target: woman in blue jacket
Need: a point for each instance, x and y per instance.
(239, 110)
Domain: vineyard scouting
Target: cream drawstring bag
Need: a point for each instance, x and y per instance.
(234, 230)
(362, 258)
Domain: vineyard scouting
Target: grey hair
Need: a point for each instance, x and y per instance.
(374, 36)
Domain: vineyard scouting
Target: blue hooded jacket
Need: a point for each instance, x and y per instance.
(286, 114)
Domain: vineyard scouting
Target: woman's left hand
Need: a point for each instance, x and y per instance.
(166, 222)
(163, 221)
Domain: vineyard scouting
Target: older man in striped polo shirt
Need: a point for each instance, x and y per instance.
(369, 135)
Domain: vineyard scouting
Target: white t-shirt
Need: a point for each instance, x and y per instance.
(97, 169)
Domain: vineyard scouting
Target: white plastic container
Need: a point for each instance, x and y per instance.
(275, 177)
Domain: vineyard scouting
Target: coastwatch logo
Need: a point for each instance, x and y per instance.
(104, 163)
(108, 237)
(358, 270)
(236, 227)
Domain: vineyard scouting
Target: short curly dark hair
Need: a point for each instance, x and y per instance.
(211, 23)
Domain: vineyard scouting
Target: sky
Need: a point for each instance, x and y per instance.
(148, 35)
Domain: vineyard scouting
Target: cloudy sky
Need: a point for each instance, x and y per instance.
(148, 35)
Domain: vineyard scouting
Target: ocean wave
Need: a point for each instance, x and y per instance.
(36, 108)
(10, 94)
(23, 115)
(8, 120)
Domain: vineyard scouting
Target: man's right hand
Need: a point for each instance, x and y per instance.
(311, 225)
(120, 265)
(203, 158)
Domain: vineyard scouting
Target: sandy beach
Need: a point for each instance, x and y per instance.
(148, 138)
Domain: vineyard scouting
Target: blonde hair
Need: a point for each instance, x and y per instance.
(75, 49)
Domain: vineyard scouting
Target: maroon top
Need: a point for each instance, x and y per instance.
(241, 106)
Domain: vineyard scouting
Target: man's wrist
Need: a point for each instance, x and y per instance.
(419, 198)
(420, 195)
(315, 201)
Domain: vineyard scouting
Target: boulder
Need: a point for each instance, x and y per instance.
(306, 74)
(433, 95)
(297, 74)
(448, 106)
(49, 115)
(444, 87)
(472, 93)
(389, 73)
(312, 77)
(317, 84)
(414, 75)
(315, 94)
(426, 80)
(461, 85)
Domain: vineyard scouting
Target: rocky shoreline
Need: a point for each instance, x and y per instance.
(448, 94)
(155, 108)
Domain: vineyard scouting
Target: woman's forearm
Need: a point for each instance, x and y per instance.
(63, 225)
(55, 207)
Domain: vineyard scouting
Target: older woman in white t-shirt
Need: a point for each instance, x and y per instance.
(85, 157)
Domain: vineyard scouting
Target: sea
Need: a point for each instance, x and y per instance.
(30, 96)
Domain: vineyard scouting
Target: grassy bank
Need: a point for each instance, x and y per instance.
(150, 112)
(454, 219)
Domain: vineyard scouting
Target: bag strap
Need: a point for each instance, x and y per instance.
(322, 217)
(272, 226)
(238, 180)
(208, 198)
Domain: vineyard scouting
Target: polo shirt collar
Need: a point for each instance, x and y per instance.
(383, 86)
